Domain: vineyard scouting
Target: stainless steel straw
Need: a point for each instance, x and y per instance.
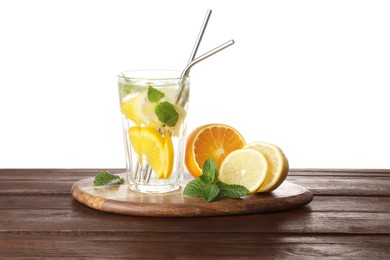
(200, 36)
(182, 96)
(148, 170)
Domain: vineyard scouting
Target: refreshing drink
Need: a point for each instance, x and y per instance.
(154, 128)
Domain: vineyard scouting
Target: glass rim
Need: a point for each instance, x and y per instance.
(151, 71)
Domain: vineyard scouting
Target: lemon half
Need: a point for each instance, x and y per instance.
(277, 165)
(246, 167)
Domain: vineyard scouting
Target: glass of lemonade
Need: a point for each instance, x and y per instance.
(154, 106)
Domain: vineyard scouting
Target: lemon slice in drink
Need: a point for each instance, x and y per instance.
(131, 107)
(246, 167)
(158, 150)
(169, 154)
(277, 165)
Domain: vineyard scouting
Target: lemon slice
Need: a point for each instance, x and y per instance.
(131, 107)
(169, 154)
(140, 110)
(158, 150)
(246, 167)
(175, 130)
(277, 165)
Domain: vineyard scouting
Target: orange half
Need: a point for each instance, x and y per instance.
(213, 141)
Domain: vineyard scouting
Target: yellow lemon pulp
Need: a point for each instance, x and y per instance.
(277, 165)
(158, 150)
(246, 167)
(141, 111)
(131, 107)
(169, 154)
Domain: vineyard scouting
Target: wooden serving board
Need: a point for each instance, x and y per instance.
(121, 200)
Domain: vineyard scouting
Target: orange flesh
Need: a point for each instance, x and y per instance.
(214, 141)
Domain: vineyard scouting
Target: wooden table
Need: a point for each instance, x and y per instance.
(349, 218)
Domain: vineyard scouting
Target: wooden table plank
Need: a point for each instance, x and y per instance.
(193, 245)
(84, 220)
(344, 186)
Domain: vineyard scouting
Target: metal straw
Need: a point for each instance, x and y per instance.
(182, 96)
(200, 36)
(148, 169)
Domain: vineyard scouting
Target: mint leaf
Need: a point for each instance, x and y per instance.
(105, 177)
(232, 190)
(166, 113)
(154, 95)
(209, 171)
(194, 188)
(208, 187)
(210, 192)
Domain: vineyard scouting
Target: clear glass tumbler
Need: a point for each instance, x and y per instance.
(154, 106)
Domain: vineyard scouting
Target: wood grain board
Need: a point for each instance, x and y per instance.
(120, 199)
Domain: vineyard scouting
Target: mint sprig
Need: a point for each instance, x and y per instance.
(210, 192)
(208, 186)
(209, 172)
(154, 95)
(105, 178)
(195, 188)
(231, 190)
(166, 113)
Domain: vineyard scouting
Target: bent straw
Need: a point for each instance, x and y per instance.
(181, 98)
(148, 169)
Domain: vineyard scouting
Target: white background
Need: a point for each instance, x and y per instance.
(309, 76)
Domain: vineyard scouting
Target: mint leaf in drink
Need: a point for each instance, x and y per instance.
(194, 188)
(154, 95)
(209, 171)
(232, 190)
(210, 192)
(105, 178)
(166, 113)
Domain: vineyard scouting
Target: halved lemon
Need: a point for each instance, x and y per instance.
(277, 165)
(246, 167)
(158, 150)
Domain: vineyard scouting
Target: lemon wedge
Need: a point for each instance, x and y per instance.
(246, 167)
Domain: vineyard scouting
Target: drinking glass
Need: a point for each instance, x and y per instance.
(154, 105)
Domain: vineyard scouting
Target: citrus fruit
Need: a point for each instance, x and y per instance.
(277, 165)
(131, 107)
(169, 154)
(158, 150)
(213, 141)
(175, 130)
(246, 167)
(138, 108)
